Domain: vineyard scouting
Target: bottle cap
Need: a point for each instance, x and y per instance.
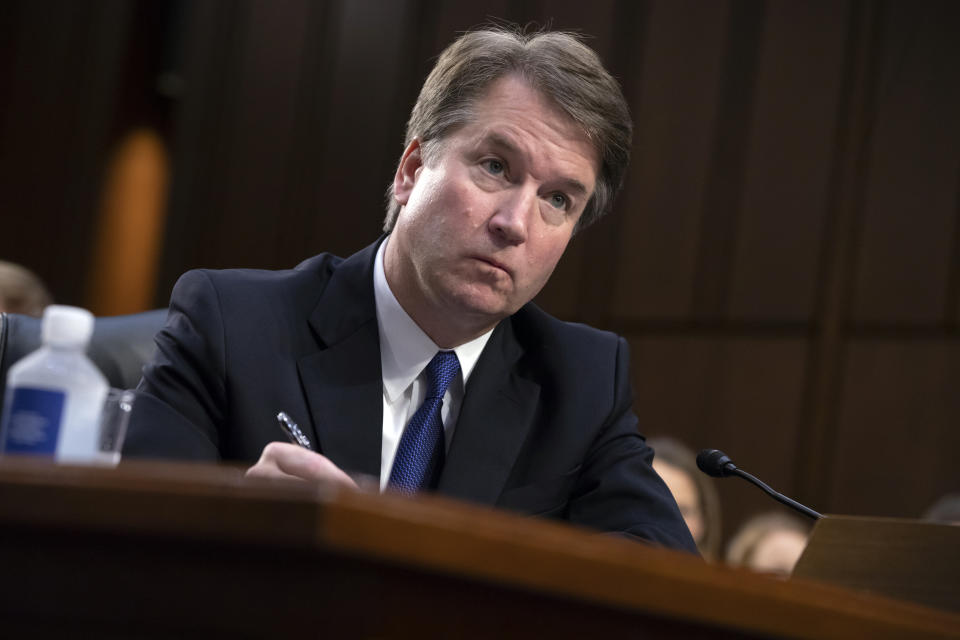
(65, 326)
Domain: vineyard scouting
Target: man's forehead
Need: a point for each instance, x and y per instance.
(513, 92)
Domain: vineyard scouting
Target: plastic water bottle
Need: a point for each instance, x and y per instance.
(54, 396)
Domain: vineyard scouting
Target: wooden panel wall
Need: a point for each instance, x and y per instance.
(784, 261)
(60, 64)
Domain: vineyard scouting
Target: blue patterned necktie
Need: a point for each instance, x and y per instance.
(421, 450)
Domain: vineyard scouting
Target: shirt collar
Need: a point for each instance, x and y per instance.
(405, 350)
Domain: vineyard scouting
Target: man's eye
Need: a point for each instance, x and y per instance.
(494, 166)
(558, 200)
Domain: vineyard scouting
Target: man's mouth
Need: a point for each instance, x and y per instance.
(495, 263)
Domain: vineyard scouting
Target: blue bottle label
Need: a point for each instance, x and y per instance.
(33, 422)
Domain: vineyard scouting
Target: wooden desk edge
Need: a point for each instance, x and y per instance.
(444, 536)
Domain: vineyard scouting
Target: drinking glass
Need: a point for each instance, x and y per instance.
(113, 425)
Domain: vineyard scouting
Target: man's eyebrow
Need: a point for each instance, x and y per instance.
(499, 140)
(575, 186)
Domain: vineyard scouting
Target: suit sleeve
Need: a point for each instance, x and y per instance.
(181, 399)
(617, 490)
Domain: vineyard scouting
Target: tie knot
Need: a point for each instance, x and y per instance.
(440, 372)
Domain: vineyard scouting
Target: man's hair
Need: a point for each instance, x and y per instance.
(564, 70)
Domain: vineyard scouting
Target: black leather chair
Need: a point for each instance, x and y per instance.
(120, 345)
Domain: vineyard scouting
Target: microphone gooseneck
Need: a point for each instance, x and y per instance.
(717, 464)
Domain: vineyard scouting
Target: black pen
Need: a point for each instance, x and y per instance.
(292, 431)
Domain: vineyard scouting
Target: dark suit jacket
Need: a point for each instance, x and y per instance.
(545, 428)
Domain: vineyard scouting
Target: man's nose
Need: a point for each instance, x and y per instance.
(513, 213)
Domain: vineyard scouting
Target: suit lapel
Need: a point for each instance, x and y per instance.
(498, 410)
(343, 384)
(342, 380)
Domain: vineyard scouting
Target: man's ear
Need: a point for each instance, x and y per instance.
(407, 171)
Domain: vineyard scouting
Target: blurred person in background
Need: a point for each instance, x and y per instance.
(770, 543)
(695, 494)
(21, 291)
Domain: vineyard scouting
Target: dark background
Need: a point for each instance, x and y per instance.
(785, 259)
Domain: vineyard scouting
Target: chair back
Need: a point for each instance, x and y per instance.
(120, 345)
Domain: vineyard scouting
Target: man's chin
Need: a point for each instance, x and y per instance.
(484, 307)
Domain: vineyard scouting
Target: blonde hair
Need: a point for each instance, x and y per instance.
(745, 542)
(673, 452)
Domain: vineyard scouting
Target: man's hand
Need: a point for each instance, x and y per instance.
(283, 460)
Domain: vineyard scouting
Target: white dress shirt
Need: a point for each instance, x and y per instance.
(405, 352)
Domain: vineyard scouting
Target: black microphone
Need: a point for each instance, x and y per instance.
(716, 463)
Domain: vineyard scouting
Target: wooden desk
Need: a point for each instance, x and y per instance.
(150, 550)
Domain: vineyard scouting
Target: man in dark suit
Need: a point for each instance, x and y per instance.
(420, 360)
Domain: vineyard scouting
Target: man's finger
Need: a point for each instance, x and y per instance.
(280, 459)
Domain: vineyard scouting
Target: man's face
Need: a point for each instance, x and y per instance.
(486, 218)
